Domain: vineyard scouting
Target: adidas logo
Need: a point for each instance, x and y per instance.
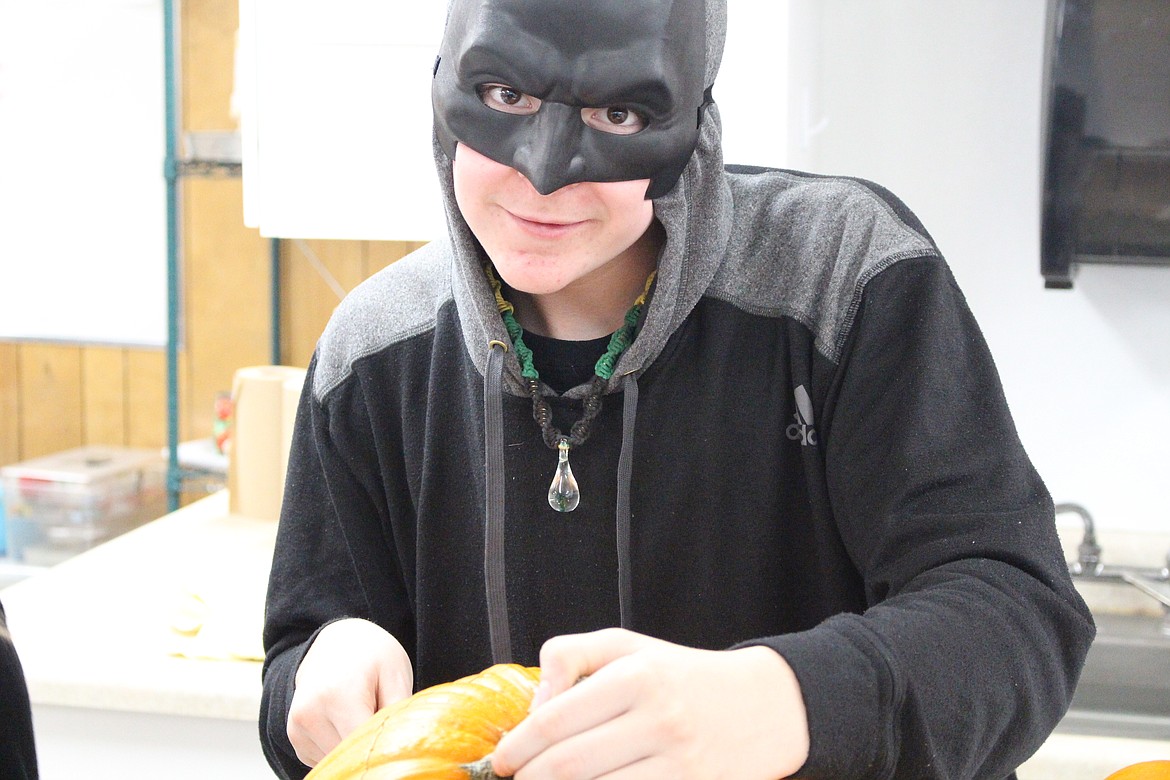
(802, 430)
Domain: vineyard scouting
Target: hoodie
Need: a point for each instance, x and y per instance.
(806, 447)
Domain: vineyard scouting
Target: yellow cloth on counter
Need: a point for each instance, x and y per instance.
(217, 620)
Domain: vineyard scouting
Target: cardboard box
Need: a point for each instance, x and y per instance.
(68, 502)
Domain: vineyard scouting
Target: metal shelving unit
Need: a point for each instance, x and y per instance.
(195, 161)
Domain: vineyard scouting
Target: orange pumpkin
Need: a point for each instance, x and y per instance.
(1146, 770)
(441, 733)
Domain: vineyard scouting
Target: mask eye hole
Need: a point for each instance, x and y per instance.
(617, 120)
(505, 99)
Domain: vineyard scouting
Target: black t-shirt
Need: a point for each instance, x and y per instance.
(18, 759)
(565, 364)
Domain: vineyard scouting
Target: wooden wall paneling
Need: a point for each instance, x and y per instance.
(103, 395)
(9, 403)
(51, 399)
(146, 398)
(208, 29)
(307, 299)
(227, 291)
(226, 287)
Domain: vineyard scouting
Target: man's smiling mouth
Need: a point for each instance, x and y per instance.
(545, 228)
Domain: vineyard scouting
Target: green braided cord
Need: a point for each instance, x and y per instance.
(515, 332)
(618, 342)
(621, 338)
(523, 353)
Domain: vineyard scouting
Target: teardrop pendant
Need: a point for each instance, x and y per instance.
(563, 494)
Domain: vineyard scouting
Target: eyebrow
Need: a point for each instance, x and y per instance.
(488, 66)
(650, 92)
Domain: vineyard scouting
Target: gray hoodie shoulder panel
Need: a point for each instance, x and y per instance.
(804, 246)
(400, 301)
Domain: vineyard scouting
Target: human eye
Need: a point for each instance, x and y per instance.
(501, 97)
(617, 120)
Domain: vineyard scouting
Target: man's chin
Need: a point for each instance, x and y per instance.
(531, 273)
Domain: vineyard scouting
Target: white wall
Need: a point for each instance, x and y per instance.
(940, 101)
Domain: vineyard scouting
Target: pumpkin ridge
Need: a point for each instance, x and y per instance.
(444, 732)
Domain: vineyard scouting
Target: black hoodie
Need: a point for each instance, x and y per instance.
(806, 447)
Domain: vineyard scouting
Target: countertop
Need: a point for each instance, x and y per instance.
(98, 631)
(1080, 757)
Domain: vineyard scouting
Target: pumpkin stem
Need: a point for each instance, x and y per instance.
(482, 770)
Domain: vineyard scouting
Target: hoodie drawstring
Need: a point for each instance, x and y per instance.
(493, 548)
(493, 545)
(625, 473)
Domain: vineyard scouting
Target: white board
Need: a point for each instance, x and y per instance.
(82, 193)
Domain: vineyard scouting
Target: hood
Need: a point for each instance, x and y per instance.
(696, 215)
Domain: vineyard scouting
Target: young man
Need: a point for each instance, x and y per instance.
(726, 444)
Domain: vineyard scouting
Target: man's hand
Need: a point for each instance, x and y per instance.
(353, 669)
(652, 709)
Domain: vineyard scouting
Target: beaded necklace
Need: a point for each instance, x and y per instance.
(564, 493)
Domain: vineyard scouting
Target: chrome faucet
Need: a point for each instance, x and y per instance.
(1152, 581)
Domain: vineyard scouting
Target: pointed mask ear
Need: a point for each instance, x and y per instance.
(639, 63)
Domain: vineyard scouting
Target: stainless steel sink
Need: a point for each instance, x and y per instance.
(1124, 689)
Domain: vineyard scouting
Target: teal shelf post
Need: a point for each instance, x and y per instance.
(171, 172)
(274, 257)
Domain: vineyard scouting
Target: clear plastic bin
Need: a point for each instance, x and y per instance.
(68, 502)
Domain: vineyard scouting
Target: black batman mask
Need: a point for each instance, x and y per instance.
(566, 91)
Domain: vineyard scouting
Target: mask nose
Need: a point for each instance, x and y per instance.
(550, 157)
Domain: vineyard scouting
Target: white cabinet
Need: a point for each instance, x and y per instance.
(75, 742)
